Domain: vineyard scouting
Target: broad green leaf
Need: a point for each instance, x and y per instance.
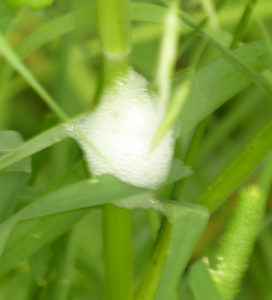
(202, 284)
(173, 250)
(57, 212)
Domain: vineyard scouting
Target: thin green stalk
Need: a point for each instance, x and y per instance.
(167, 53)
(243, 24)
(152, 275)
(114, 30)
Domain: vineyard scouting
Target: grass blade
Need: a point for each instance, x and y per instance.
(36, 144)
(14, 60)
(239, 168)
(14, 178)
(51, 216)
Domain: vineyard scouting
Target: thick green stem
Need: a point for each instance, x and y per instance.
(117, 248)
(114, 30)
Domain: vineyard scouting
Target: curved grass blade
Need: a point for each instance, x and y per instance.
(66, 199)
(34, 145)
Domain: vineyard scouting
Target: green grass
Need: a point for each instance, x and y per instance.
(205, 233)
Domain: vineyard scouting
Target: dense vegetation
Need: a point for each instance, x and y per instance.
(86, 210)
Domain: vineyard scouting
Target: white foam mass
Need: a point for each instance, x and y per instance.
(122, 128)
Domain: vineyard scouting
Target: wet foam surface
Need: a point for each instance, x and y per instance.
(122, 129)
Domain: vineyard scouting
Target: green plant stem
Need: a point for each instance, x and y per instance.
(117, 248)
(239, 239)
(114, 30)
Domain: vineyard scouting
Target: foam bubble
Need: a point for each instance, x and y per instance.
(122, 128)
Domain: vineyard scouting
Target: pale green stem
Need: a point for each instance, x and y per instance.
(114, 30)
(167, 53)
(117, 248)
